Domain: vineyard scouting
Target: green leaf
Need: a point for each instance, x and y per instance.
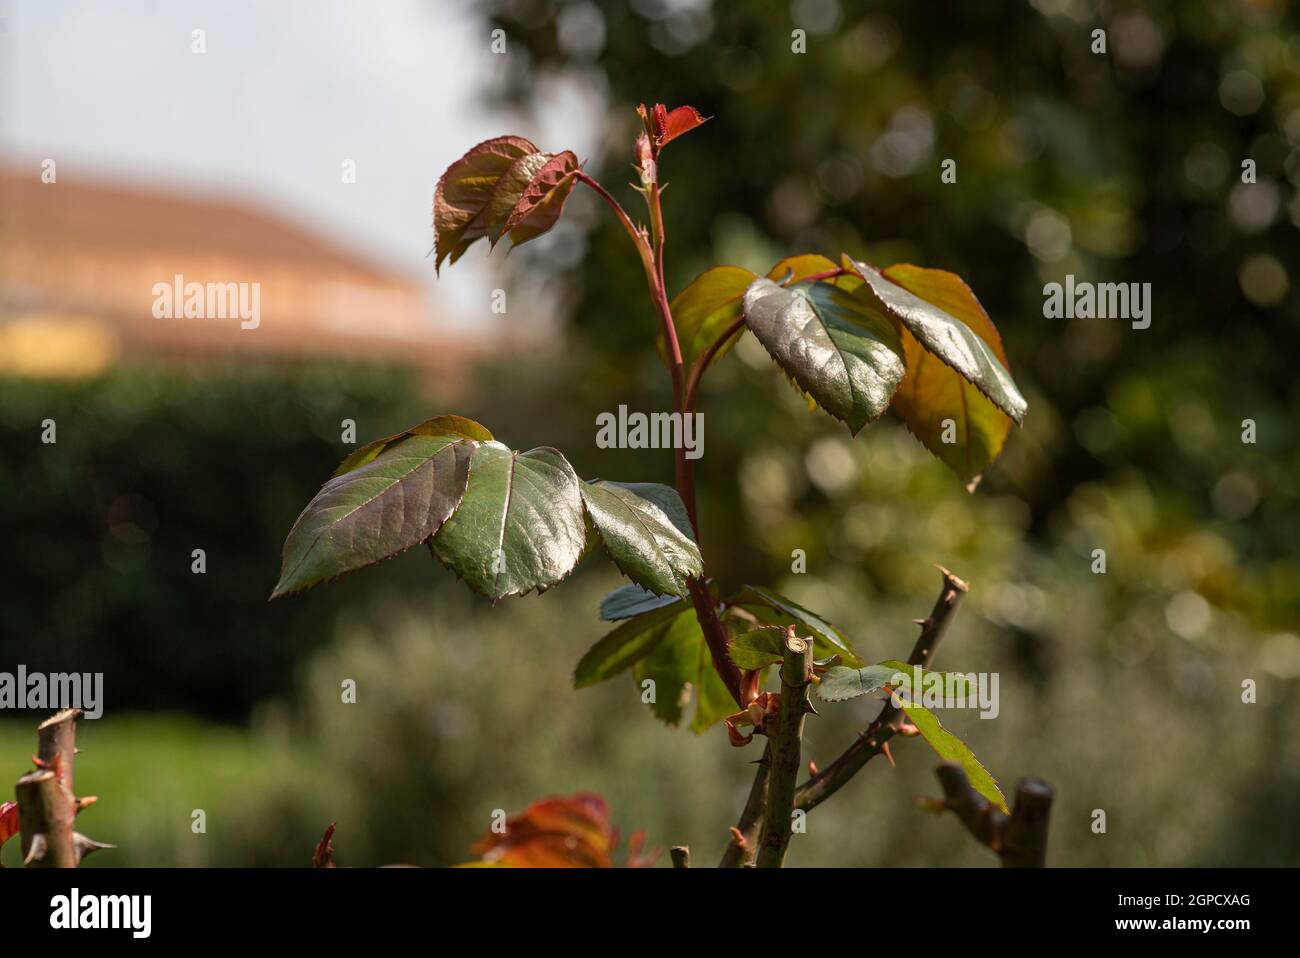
(626, 645)
(952, 749)
(826, 638)
(630, 600)
(396, 500)
(674, 667)
(704, 309)
(461, 198)
(713, 702)
(840, 684)
(943, 334)
(437, 426)
(835, 345)
(758, 648)
(646, 530)
(520, 525)
(933, 394)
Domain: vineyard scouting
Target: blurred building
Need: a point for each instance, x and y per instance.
(93, 273)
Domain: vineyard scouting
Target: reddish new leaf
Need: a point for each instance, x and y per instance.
(542, 200)
(572, 832)
(8, 821)
(669, 125)
(461, 199)
(324, 856)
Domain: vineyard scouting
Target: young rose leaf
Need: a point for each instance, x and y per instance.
(952, 749)
(520, 524)
(669, 125)
(934, 400)
(395, 501)
(542, 200)
(768, 604)
(437, 426)
(626, 645)
(758, 648)
(646, 530)
(630, 600)
(509, 191)
(835, 345)
(704, 309)
(461, 198)
(944, 335)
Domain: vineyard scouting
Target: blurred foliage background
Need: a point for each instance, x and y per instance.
(1124, 689)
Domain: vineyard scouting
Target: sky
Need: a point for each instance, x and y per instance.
(285, 92)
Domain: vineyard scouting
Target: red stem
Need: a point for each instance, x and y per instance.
(715, 633)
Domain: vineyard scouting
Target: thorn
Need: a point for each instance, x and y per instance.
(812, 768)
(37, 851)
(921, 622)
(884, 747)
(84, 846)
(737, 838)
(908, 729)
(84, 803)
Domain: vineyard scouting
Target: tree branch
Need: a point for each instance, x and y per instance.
(1019, 839)
(872, 742)
(785, 742)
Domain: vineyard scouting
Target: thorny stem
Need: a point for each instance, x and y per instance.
(785, 742)
(652, 260)
(873, 741)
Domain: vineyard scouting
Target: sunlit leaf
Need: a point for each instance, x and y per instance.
(834, 344)
(777, 609)
(393, 502)
(542, 201)
(704, 310)
(941, 333)
(437, 426)
(520, 524)
(461, 198)
(646, 530)
(669, 125)
(799, 268)
(933, 394)
(952, 749)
